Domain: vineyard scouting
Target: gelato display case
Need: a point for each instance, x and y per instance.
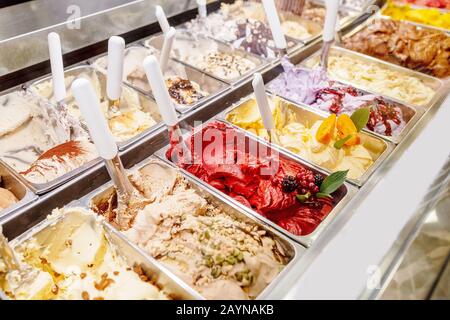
(343, 199)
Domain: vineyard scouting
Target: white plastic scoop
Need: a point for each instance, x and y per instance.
(164, 102)
(162, 19)
(69, 128)
(275, 26)
(329, 30)
(167, 48)
(263, 105)
(116, 53)
(57, 66)
(202, 11)
(127, 197)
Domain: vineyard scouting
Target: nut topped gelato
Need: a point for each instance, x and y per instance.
(219, 255)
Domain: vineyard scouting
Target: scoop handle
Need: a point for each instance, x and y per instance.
(162, 19)
(274, 23)
(202, 11)
(89, 105)
(329, 29)
(116, 52)
(262, 101)
(57, 66)
(167, 48)
(159, 89)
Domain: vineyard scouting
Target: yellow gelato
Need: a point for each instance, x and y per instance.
(132, 116)
(428, 16)
(377, 78)
(298, 134)
(72, 260)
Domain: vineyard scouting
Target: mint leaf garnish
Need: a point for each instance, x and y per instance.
(333, 182)
(340, 143)
(360, 118)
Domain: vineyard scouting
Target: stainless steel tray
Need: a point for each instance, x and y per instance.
(308, 117)
(378, 16)
(410, 114)
(208, 84)
(294, 252)
(147, 103)
(436, 84)
(345, 193)
(41, 188)
(11, 183)
(158, 274)
(157, 42)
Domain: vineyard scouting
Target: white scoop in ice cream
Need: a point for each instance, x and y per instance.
(329, 30)
(164, 102)
(116, 53)
(167, 48)
(263, 104)
(162, 19)
(89, 105)
(275, 24)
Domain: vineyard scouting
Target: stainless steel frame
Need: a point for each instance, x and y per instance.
(75, 186)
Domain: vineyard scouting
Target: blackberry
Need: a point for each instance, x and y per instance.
(318, 179)
(289, 184)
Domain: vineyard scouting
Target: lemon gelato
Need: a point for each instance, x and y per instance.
(298, 136)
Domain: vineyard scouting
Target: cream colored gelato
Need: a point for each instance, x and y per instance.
(206, 55)
(244, 10)
(295, 30)
(183, 91)
(220, 256)
(7, 198)
(298, 135)
(28, 128)
(73, 259)
(378, 78)
(131, 118)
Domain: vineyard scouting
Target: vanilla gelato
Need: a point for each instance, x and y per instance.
(219, 255)
(378, 78)
(73, 259)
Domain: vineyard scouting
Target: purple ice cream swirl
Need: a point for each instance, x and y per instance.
(312, 87)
